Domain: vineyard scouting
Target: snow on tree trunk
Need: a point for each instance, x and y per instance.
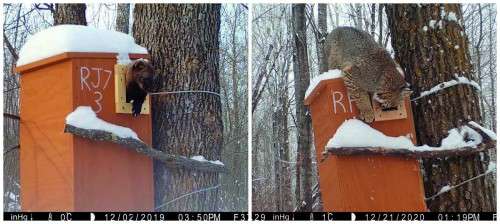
(430, 44)
(70, 14)
(184, 46)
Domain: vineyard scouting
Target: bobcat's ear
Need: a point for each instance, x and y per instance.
(347, 69)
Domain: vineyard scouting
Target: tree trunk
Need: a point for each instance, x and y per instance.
(359, 15)
(301, 79)
(122, 17)
(322, 28)
(492, 72)
(184, 46)
(479, 70)
(380, 24)
(277, 167)
(70, 14)
(429, 58)
(286, 189)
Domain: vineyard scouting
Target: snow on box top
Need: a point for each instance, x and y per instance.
(75, 38)
(331, 74)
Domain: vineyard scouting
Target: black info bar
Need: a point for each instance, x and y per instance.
(243, 216)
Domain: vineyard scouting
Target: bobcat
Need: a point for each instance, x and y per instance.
(369, 71)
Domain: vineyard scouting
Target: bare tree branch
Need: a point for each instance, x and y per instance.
(12, 50)
(351, 151)
(173, 161)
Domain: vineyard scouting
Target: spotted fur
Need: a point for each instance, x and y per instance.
(369, 71)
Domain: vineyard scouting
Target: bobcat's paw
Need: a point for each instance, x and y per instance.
(367, 116)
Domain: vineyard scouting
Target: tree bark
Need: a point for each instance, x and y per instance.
(372, 23)
(183, 42)
(322, 28)
(122, 17)
(477, 48)
(492, 72)
(301, 80)
(380, 24)
(429, 58)
(70, 14)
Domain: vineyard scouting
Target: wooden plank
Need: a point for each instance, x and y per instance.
(46, 155)
(60, 172)
(109, 177)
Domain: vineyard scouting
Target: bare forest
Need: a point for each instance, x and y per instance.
(284, 173)
(23, 20)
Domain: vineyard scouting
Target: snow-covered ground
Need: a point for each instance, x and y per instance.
(84, 117)
(331, 74)
(75, 38)
(348, 135)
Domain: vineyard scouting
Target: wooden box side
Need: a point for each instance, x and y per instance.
(363, 183)
(46, 153)
(109, 177)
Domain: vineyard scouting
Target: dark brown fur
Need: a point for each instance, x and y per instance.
(139, 79)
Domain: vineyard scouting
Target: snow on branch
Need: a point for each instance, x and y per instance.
(84, 123)
(459, 142)
(491, 168)
(444, 85)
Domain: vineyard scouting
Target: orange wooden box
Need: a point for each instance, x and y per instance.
(61, 172)
(362, 183)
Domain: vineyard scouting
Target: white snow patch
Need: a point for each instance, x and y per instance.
(440, 24)
(218, 162)
(331, 74)
(432, 23)
(455, 138)
(84, 117)
(12, 196)
(444, 189)
(452, 17)
(75, 38)
(199, 158)
(425, 28)
(444, 85)
(202, 159)
(488, 132)
(492, 166)
(123, 58)
(348, 133)
(400, 70)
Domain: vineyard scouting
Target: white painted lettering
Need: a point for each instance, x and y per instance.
(83, 78)
(337, 101)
